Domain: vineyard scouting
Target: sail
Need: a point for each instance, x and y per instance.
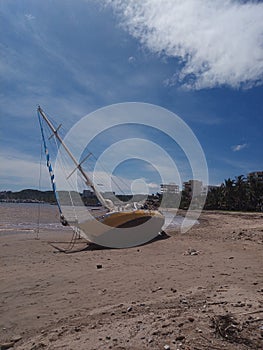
(49, 165)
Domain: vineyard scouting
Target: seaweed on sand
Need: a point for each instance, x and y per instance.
(227, 327)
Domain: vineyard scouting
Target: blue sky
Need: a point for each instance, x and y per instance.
(202, 60)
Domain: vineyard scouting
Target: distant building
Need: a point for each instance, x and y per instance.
(109, 194)
(256, 175)
(194, 188)
(207, 189)
(171, 188)
(88, 194)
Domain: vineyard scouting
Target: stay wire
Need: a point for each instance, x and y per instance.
(113, 180)
(102, 166)
(39, 188)
(76, 233)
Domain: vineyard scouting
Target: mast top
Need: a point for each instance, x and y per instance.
(107, 203)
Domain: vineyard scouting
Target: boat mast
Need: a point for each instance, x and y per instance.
(78, 165)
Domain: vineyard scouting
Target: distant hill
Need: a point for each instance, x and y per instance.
(36, 196)
(28, 196)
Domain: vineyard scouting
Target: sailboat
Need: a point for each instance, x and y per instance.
(118, 226)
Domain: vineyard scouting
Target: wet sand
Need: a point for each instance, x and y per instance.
(167, 293)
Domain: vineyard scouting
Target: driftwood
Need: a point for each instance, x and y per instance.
(227, 327)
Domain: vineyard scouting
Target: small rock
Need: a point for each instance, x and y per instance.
(180, 338)
(183, 301)
(16, 338)
(99, 266)
(53, 338)
(191, 319)
(5, 346)
(166, 347)
(239, 305)
(129, 309)
(191, 251)
(166, 324)
(165, 333)
(39, 346)
(150, 340)
(108, 337)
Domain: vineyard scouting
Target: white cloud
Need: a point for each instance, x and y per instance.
(217, 42)
(19, 171)
(29, 17)
(153, 185)
(238, 148)
(131, 59)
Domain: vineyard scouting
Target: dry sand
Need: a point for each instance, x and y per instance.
(174, 293)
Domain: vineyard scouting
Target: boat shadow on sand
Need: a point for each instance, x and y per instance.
(72, 246)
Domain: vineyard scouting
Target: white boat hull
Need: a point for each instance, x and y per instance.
(121, 229)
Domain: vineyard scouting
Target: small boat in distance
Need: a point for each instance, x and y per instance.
(118, 226)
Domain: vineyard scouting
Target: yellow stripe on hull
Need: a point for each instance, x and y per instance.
(118, 219)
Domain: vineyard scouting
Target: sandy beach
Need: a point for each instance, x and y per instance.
(199, 290)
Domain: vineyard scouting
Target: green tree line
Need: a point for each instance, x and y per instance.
(238, 194)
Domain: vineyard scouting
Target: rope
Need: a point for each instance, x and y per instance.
(72, 243)
(39, 188)
(61, 159)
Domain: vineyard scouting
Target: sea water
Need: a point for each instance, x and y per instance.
(32, 217)
(174, 222)
(28, 217)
